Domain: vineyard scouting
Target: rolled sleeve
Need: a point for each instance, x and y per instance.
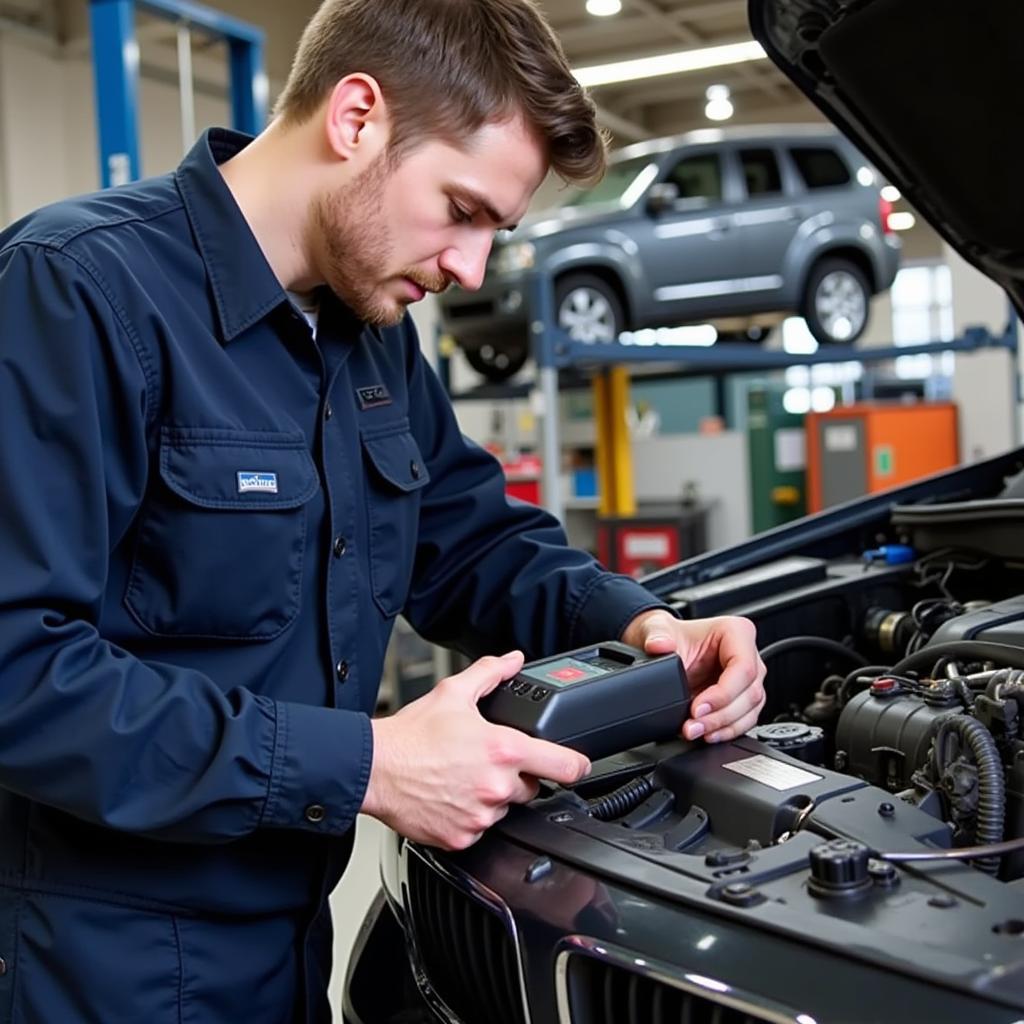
(321, 768)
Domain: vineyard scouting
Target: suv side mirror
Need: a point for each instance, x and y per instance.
(662, 196)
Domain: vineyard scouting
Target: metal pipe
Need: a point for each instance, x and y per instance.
(185, 95)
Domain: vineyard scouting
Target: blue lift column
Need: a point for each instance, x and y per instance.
(115, 58)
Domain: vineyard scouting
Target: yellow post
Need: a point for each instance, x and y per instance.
(614, 454)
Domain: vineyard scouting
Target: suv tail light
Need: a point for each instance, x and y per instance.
(884, 210)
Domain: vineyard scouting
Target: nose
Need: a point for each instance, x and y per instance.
(466, 262)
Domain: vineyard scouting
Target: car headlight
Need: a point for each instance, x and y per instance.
(512, 258)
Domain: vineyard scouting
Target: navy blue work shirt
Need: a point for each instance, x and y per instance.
(210, 520)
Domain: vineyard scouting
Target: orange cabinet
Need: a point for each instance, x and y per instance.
(870, 447)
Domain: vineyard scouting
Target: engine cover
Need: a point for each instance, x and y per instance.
(1001, 622)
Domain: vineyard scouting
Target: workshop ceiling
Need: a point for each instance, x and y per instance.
(673, 103)
(632, 111)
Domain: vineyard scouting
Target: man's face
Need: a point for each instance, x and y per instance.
(398, 232)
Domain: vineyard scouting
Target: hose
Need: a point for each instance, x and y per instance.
(796, 643)
(991, 785)
(622, 800)
(979, 650)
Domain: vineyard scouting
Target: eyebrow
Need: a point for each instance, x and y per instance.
(475, 198)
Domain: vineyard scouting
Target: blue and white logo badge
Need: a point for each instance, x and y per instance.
(262, 483)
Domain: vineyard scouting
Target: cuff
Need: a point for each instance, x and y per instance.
(608, 608)
(321, 768)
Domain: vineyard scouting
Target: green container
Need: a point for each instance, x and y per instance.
(777, 452)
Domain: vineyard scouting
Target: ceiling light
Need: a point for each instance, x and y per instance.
(904, 220)
(719, 106)
(891, 193)
(603, 8)
(669, 63)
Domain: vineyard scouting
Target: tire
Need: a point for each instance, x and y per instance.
(836, 301)
(588, 309)
(498, 362)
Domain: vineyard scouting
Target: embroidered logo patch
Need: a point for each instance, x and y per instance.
(372, 396)
(249, 480)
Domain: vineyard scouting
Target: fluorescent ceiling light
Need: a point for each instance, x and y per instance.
(891, 193)
(719, 106)
(669, 63)
(603, 8)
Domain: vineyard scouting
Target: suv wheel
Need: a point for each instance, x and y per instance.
(498, 363)
(836, 302)
(587, 309)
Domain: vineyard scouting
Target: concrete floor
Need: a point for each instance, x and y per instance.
(350, 900)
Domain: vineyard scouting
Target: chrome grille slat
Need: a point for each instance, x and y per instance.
(465, 951)
(602, 992)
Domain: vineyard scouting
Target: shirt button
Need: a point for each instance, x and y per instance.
(342, 670)
(414, 468)
(339, 546)
(315, 813)
(328, 411)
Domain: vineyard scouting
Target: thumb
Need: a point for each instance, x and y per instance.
(486, 673)
(658, 636)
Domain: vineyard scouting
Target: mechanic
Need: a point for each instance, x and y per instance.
(226, 469)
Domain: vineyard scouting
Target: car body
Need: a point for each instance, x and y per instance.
(760, 880)
(703, 899)
(734, 225)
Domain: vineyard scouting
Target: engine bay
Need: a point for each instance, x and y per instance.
(879, 803)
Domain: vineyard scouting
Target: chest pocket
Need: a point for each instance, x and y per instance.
(220, 547)
(397, 473)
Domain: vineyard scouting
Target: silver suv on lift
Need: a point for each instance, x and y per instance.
(732, 226)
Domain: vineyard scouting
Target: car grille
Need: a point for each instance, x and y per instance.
(605, 993)
(464, 948)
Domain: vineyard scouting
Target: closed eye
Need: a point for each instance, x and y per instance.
(459, 215)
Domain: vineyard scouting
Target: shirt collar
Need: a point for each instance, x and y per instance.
(244, 287)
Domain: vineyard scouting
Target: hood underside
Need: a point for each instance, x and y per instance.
(930, 91)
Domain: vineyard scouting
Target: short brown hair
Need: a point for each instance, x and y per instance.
(446, 68)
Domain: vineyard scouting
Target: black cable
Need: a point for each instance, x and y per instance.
(979, 650)
(796, 643)
(622, 800)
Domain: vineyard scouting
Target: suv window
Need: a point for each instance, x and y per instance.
(820, 167)
(698, 177)
(614, 185)
(760, 172)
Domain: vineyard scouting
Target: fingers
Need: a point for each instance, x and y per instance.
(484, 675)
(738, 697)
(525, 790)
(738, 728)
(552, 761)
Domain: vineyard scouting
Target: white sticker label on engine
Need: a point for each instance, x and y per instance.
(777, 774)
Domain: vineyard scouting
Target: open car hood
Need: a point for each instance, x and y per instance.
(929, 90)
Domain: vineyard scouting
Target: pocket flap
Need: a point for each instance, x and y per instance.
(237, 469)
(397, 457)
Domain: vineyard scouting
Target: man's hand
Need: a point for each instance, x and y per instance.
(442, 774)
(725, 673)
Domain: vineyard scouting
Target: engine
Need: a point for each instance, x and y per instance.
(940, 726)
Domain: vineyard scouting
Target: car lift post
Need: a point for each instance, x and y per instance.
(115, 58)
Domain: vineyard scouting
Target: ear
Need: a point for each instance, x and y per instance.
(357, 124)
